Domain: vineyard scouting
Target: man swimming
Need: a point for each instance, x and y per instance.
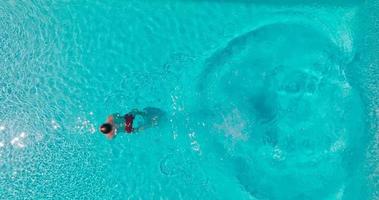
(116, 122)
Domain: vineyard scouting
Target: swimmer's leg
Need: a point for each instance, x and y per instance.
(151, 116)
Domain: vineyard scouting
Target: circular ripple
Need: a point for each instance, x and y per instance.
(171, 165)
(302, 114)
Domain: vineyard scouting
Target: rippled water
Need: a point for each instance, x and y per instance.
(265, 100)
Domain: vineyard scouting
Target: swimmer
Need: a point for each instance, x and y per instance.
(117, 122)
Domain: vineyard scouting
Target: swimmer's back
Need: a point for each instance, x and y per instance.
(118, 120)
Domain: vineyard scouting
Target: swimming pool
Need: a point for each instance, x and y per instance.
(264, 99)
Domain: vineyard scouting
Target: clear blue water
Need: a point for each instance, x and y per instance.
(264, 100)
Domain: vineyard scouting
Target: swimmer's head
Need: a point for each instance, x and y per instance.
(106, 128)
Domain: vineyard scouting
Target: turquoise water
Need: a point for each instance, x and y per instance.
(264, 100)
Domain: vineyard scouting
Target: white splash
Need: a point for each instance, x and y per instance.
(233, 125)
(18, 140)
(194, 144)
(85, 125)
(55, 124)
(337, 146)
(278, 154)
(22, 135)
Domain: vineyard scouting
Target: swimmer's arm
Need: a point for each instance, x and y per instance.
(140, 128)
(111, 136)
(114, 118)
(110, 120)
